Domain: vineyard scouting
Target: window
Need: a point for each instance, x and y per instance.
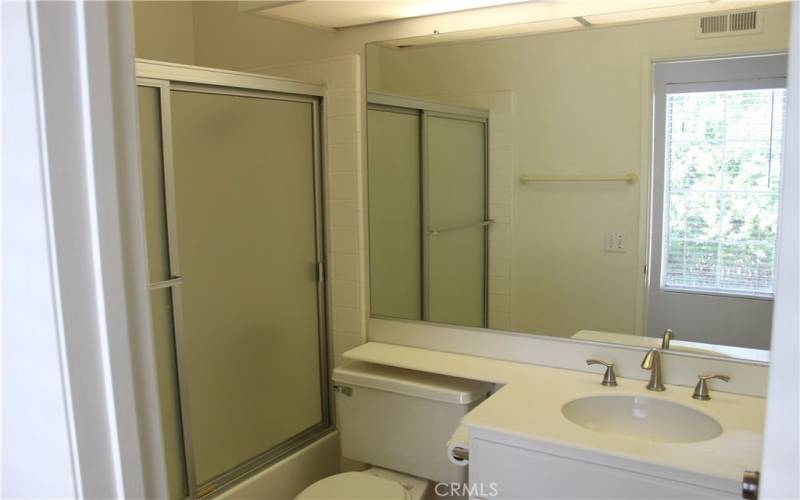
(719, 151)
(723, 162)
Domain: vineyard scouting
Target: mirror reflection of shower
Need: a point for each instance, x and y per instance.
(428, 203)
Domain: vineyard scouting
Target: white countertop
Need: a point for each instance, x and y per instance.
(528, 407)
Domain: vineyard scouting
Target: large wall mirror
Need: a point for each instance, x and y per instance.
(605, 179)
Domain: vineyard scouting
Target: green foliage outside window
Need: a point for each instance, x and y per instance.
(723, 161)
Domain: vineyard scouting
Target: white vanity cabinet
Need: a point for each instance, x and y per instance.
(500, 470)
(527, 440)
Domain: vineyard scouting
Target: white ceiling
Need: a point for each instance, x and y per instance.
(422, 22)
(337, 14)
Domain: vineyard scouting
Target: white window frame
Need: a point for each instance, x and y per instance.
(701, 75)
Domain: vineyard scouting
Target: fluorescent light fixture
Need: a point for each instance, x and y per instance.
(336, 14)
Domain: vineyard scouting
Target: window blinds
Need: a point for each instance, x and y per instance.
(724, 151)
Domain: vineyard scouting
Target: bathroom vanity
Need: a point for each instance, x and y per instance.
(566, 436)
(555, 433)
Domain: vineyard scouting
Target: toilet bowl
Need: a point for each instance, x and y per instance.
(371, 484)
(398, 421)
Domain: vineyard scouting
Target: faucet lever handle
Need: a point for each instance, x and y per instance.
(701, 389)
(610, 376)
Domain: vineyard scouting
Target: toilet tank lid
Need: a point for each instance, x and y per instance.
(411, 382)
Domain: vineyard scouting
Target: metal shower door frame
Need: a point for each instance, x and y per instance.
(167, 77)
(424, 109)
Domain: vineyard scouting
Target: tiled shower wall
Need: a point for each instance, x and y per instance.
(344, 193)
(501, 207)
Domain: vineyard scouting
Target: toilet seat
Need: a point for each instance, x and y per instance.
(354, 486)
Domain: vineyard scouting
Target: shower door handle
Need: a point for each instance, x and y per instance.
(173, 281)
(318, 271)
(434, 232)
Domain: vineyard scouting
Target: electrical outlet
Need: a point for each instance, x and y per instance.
(614, 242)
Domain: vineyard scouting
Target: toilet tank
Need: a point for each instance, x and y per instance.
(401, 419)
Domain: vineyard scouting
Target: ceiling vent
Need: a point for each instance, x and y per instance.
(729, 24)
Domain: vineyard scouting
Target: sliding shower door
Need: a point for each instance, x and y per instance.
(242, 212)
(395, 236)
(455, 180)
(428, 226)
(163, 293)
(245, 200)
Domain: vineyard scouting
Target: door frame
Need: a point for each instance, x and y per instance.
(780, 460)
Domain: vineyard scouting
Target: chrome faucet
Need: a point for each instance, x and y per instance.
(652, 362)
(668, 335)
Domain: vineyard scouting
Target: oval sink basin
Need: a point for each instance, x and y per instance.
(643, 418)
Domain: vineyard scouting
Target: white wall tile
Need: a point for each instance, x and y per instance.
(499, 193)
(344, 240)
(343, 157)
(343, 186)
(500, 302)
(341, 102)
(500, 268)
(344, 293)
(500, 212)
(501, 122)
(500, 249)
(501, 159)
(344, 267)
(342, 129)
(344, 212)
(499, 320)
(500, 139)
(346, 320)
(500, 176)
(500, 231)
(499, 285)
(503, 101)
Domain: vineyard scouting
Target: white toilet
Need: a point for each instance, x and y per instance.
(398, 421)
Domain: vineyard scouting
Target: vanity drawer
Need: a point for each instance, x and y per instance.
(517, 473)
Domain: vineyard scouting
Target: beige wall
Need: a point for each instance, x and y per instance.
(227, 38)
(579, 108)
(164, 31)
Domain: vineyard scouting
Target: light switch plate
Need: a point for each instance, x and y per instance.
(614, 242)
